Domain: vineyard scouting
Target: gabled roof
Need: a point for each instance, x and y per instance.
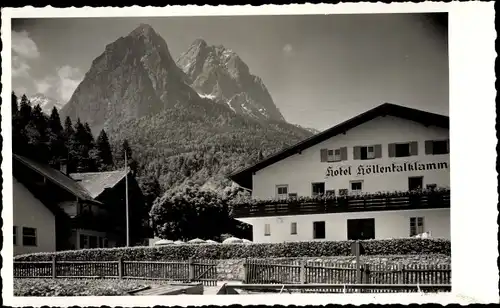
(244, 177)
(57, 177)
(96, 182)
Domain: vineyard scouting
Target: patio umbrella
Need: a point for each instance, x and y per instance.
(245, 241)
(178, 242)
(232, 240)
(196, 241)
(163, 242)
(211, 242)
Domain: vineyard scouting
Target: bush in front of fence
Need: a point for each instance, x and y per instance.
(408, 246)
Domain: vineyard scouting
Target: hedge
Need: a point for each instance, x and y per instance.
(409, 246)
(77, 287)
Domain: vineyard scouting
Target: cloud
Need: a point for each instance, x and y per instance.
(45, 85)
(24, 46)
(62, 84)
(20, 68)
(69, 79)
(287, 49)
(24, 49)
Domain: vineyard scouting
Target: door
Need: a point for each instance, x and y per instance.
(415, 183)
(361, 229)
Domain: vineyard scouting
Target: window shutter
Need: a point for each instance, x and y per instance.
(448, 145)
(324, 155)
(414, 148)
(356, 152)
(392, 150)
(343, 153)
(428, 147)
(378, 150)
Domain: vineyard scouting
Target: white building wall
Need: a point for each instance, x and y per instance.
(299, 171)
(388, 224)
(32, 213)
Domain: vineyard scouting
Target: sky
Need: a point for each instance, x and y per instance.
(319, 69)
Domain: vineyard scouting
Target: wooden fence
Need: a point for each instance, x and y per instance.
(327, 272)
(204, 271)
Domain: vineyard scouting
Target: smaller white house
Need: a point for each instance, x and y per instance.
(35, 224)
(54, 212)
(396, 158)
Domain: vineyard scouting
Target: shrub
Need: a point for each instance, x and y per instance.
(75, 287)
(407, 246)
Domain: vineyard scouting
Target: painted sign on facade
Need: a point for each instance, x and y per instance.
(382, 169)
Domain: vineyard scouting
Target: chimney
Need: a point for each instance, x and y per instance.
(63, 166)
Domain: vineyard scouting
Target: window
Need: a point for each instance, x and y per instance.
(330, 192)
(333, 155)
(84, 241)
(431, 186)
(318, 189)
(436, 147)
(92, 242)
(15, 235)
(416, 225)
(282, 191)
(367, 152)
(415, 183)
(267, 229)
(403, 149)
(319, 229)
(29, 236)
(293, 228)
(357, 186)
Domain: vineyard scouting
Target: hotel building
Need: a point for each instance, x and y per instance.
(341, 184)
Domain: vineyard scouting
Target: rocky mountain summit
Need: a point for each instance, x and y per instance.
(135, 76)
(219, 73)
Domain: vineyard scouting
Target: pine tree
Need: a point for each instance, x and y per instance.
(68, 129)
(24, 111)
(15, 106)
(104, 150)
(18, 137)
(56, 138)
(37, 135)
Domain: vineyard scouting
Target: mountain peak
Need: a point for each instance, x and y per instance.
(143, 30)
(219, 72)
(199, 42)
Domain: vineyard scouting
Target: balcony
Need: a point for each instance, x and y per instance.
(343, 204)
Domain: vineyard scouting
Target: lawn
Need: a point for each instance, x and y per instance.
(77, 287)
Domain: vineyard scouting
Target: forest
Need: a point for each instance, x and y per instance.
(182, 212)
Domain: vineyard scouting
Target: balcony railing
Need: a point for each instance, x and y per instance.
(328, 204)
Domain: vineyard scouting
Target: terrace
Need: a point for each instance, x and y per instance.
(410, 200)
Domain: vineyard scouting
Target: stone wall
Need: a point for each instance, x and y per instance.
(232, 269)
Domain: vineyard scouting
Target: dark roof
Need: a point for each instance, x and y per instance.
(56, 210)
(96, 182)
(244, 177)
(57, 177)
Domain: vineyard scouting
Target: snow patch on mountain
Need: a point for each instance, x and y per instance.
(45, 102)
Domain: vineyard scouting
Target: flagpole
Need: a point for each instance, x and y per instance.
(126, 198)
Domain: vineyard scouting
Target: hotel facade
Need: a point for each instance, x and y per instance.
(298, 192)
